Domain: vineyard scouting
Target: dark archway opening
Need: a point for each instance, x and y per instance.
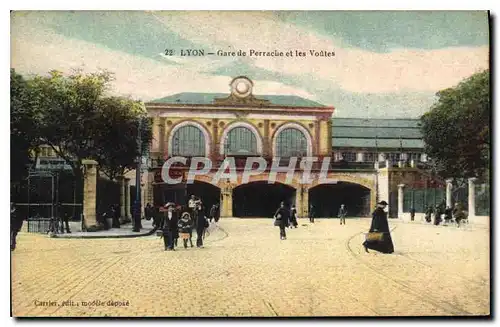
(260, 199)
(327, 198)
(180, 194)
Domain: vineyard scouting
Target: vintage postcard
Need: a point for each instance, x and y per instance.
(250, 163)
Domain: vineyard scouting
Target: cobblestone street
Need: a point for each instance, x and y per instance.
(246, 270)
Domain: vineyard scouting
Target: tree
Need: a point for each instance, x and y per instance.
(23, 123)
(116, 141)
(456, 131)
(70, 113)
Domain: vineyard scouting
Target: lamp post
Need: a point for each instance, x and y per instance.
(137, 206)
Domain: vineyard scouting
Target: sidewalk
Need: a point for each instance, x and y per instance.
(122, 232)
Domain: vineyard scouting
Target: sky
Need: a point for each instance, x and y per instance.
(386, 64)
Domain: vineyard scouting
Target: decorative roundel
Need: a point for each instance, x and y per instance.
(241, 87)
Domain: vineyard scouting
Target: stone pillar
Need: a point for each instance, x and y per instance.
(305, 201)
(423, 157)
(299, 201)
(400, 200)
(381, 157)
(89, 192)
(127, 198)
(412, 163)
(401, 163)
(121, 183)
(324, 135)
(387, 163)
(227, 200)
(376, 165)
(449, 189)
(162, 140)
(360, 156)
(472, 197)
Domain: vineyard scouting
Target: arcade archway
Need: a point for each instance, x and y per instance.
(260, 199)
(327, 198)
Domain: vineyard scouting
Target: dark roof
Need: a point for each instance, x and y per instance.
(371, 133)
(208, 98)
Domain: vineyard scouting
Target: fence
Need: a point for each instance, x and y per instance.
(421, 199)
(39, 225)
(482, 199)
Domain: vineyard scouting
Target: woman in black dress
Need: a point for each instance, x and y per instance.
(380, 225)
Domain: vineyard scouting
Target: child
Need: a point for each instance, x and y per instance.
(185, 228)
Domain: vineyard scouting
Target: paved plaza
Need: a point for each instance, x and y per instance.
(246, 270)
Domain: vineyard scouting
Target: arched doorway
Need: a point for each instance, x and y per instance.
(260, 199)
(327, 198)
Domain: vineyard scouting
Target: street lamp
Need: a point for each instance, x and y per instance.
(137, 205)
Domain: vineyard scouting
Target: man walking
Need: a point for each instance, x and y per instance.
(169, 227)
(201, 224)
(282, 217)
(342, 214)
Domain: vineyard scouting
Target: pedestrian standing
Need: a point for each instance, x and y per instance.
(437, 216)
(115, 216)
(217, 213)
(379, 235)
(447, 215)
(169, 227)
(412, 214)
(192, 205)
(428, 214)
(311, 213)
(201, 224)
(342, 214)
(148, 211)
(282, 217)
(16, 223)
(293, 217)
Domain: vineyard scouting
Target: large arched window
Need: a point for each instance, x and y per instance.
(240, 141)
(188, 141)
(291, 142)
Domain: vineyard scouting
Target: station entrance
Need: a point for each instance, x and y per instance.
(260, 199)
(327, 198)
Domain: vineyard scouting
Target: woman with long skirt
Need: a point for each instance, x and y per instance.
(380, 225)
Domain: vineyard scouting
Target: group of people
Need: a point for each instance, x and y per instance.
(440, 212)
(378, 236)
(285, 217)
(177, 221)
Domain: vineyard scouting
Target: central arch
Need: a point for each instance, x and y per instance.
(260, 199)
(327, 199)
